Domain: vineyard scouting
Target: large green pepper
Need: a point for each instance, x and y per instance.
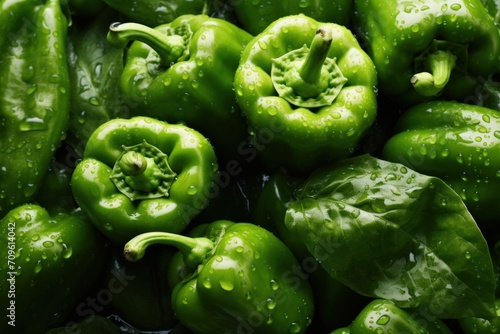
(34, 97)
(426, 48)
(142, 174)
(382, 316)
(256, 16)
(305, 105)
(239, 278)
(49, 264)
(183, 72)
(456, 142)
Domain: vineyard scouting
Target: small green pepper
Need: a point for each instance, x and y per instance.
(456, 142)
(307, 90)
(183, 72)
(239, 277)
(34, 95)
(142, 174)
(427, 49)
(50, 263)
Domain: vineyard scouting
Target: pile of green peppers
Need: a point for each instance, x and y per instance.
(249, 166)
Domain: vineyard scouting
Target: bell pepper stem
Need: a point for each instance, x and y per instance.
(170, 48)
(441, 64)
(308, 77)
(141, 173)
(194, 250)
(310, 70)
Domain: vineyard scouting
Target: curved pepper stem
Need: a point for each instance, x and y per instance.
(306, 77)
(441, 64)
(169, 47)
(194, 250)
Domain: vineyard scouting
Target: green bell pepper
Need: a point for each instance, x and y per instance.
(142, 301)
(49, 264)
(456, 142)
(142, 174)
(95, 69)
(239, 277)
(183, 72)
(34, 97)
(424, 49)
(155, 12)
(256, 16)
(305, 105)
(383, 316)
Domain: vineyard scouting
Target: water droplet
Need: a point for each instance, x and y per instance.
(207, 283)
(295, 328)
(32, 124)
(67, 251)
(383, 320)
(94, 101)
(226, 284)
(38, 267)
(192, 190)
(48, 244)
(274, 285)
(270, 304)
(35, 237)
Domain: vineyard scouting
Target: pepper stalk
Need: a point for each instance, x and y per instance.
(306, 77)
(171, 45)
(441, 63)
(194, 250)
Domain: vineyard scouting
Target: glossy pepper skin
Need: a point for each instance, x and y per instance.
(315, 102)
(142, 174)
(381, 316)
(50, 262)
(183, 72)
(423, 49)
(456, 142)
(238, 278)
(34, 95)
(256, 16)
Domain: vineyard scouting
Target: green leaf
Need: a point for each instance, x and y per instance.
(389, 232)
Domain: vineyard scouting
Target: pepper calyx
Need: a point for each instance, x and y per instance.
(142, 171)
(306, 77)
